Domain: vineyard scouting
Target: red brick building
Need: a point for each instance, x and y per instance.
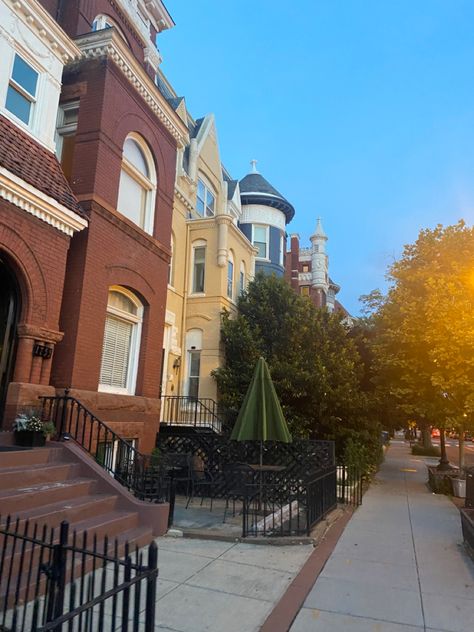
(116, 138)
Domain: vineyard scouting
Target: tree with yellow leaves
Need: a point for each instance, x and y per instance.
(425, 342)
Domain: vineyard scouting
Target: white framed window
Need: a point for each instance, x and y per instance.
(121, 344)
(260, 240)
(137, 187)
(205, 201)
(199, 267)
(66, 128)
(282, 243)
(230, 276)
(22, 90)
(102, 22)
(193, 346)
(242, 278)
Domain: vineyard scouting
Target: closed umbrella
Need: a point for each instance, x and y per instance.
(261, 417)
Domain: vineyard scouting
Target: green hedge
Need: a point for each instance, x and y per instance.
(420, 450)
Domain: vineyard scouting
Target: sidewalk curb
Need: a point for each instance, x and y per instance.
(284, 613)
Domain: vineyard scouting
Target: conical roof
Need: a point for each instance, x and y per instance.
(255, 189)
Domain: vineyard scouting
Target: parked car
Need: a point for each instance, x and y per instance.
(435, 432)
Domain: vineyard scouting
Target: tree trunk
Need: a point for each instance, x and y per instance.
(426, 435)
(443, 462)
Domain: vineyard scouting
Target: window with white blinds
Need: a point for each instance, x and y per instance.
(120, 347)
(116, 352)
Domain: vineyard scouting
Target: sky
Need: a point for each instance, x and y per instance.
(358, 111)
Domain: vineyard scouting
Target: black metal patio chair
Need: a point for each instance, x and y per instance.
(240, 484)
(201, 479)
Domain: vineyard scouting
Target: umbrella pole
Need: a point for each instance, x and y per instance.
(261, 474)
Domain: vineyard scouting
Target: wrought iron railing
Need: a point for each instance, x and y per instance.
(52, 581)
(280, 506)
(349, 485)
(201, 413)
(142, 474)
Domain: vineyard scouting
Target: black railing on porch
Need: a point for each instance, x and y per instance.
(201, 413)
(142, 474)
(52, 580)
(280, 506)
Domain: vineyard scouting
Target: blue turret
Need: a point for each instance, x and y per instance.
(265, 214)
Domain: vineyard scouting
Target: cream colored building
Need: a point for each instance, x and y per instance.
(212, 262)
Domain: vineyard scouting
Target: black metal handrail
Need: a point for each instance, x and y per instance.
(52, 580)
(142, 474)
(196, 412)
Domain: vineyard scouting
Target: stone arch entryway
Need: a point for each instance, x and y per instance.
(10, 298)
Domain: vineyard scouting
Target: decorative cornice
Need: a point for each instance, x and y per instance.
(29, 199)
(182, 198)
(107, 43)
(26, 330)
(40, 22)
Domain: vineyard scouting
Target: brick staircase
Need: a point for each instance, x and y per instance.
(60, 482)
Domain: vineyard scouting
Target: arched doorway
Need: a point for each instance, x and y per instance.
(9, 311)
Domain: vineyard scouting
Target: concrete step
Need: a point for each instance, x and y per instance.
(13, 501)
(14, 477)
(26, 458)
(72, 509)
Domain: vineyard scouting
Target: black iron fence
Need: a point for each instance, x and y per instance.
(349, 485)
(279, 506)
(141, 474)
(191, 412)
(53, 581)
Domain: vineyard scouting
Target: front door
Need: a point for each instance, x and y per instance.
(9, 308)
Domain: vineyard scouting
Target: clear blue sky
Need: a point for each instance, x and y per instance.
(360, 111)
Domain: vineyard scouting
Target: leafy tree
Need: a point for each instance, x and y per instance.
(313, 360)
(425, 328)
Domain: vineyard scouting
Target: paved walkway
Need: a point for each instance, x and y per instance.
(212, 586)
(399, 565)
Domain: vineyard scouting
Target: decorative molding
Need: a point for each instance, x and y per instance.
(259, 214)
(29, 199)
(34, 332)
(182, 198)
(108, 43)
(43, 25)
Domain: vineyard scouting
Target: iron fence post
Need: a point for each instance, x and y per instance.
(151, 587)
(57, 576)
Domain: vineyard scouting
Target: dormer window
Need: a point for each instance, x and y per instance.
(22, 87)
(206, 201)
(102, 22)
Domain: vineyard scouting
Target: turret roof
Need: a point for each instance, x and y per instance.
(255, 189)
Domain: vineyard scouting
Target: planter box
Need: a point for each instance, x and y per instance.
(467, 522)
(29, 439)
(459, 487)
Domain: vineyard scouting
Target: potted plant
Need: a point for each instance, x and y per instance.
(29, 430)
(49, 430)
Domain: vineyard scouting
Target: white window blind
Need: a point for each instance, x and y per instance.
(116, 352)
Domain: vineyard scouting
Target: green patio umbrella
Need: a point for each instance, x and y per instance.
(261, 417)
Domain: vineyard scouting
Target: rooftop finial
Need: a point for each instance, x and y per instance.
(254, 165)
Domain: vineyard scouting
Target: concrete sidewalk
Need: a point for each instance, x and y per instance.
(399, 565)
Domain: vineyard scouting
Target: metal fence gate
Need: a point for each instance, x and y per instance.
(52, 580)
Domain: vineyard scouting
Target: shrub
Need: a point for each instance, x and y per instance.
(420, 450)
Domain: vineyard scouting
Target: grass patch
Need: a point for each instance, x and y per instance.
(420, 450)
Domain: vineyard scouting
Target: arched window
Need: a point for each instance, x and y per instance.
(230, 275)
(193, 348)
(171, 266)
(137, 187)
(121, 344)
(198, 267)
(106, 22)
(242, 278)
